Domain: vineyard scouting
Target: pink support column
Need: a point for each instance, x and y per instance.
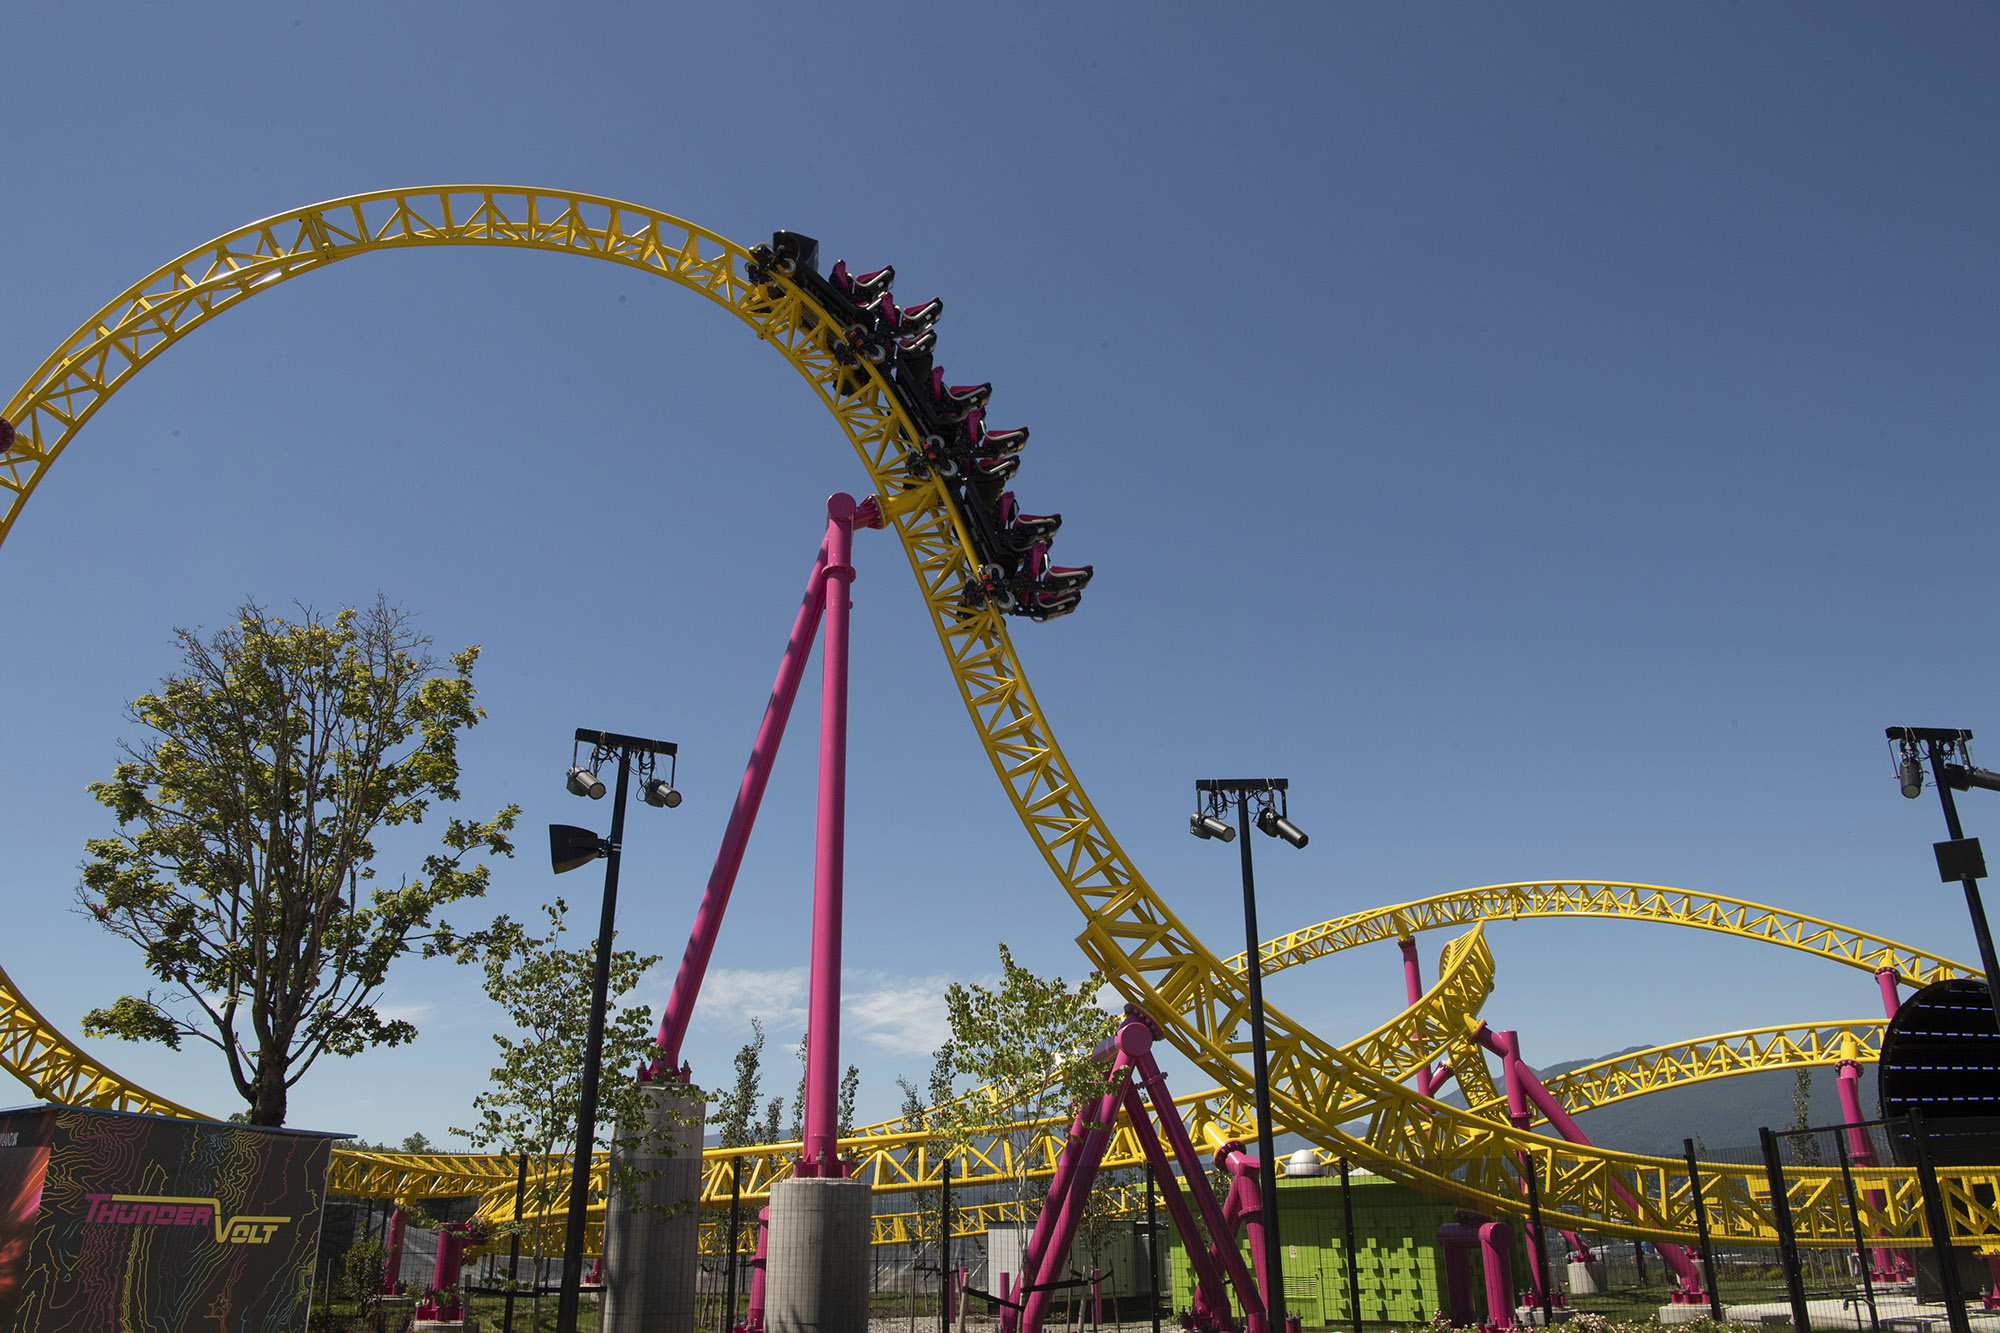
(1194, 1172)
(1524, 1089)
(820, 1155)
(1076, 1170)
(450, 1259)
(1885, 978)
(1244, 1207)
(1208, 1289)
(1456, 1240)
(392, 1258)
(1428, 1079)
(753, 1317)
(1496, 1250)
(742, 818)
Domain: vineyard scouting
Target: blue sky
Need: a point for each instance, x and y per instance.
(1555, 437)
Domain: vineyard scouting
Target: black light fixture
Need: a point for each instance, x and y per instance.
(570, 847)
(1963, 777)
(1208, 826)
(1213, 798)
(1949, 754)
(1911, 772)
(1274, 825)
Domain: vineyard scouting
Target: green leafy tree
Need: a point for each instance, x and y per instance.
(919, 1112)
(362, 1267)
(1025, 1046)
(799, 1099)
(532, 1096)
(735, 1112)
(243, 868)
(850, 1090)
(767, 1132)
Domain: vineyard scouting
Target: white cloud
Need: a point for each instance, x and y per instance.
(900, 1015)
(734, 996)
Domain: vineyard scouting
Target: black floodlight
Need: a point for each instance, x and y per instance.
(570, 847)
(1965, 778)
(583, 782)
(1276, 825)
(660, 794)
(1208, 826)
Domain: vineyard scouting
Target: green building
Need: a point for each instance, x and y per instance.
(1395, 1231)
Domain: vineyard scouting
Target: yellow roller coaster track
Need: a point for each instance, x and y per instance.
(1129, 932)
(1629, 902)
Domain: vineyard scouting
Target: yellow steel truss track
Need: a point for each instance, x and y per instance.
(1129, 932)
(1751, 1051)
(1631, 902)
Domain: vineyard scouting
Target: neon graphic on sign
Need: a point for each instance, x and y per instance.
(154, 1210)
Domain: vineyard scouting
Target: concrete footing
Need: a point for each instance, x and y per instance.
(1586, 1279)
(650, 1258)
(1683, 1314)
(816, 1273)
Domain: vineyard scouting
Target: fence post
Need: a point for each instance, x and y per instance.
(1541, 1254)
(1788, 1247)
(1701, 1230)
(1860, 1245)
(1153, 1245)
(1938, 1222)
(1353, 1259)
(944, 1246)
(735, 1240)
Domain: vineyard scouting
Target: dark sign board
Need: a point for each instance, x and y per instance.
(117, 1221)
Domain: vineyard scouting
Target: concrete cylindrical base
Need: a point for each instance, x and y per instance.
(649, 1259)
(816, 1278)
(1586, 1279)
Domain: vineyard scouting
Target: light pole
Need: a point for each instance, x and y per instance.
(1211, 805)
(570, 847)
(1959, 858)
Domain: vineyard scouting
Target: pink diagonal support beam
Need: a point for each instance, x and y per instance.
(1522, 1084)
(1082, 1153)
(1429, 1080)
(820, 1153)
(742, 818)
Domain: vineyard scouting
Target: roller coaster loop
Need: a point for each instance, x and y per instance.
(1347, 1099)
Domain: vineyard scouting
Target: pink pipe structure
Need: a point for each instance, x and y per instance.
(392, 1257)
(1083, 1150)
(1428, 1082)
(1886, 979)
(753, 1317)
(1522, 1088)
(757, 774)
(1244, 1206)
(820, 1155)
(742, 818)
(450, 1259)
(1134, 1078)
(1887, 1265)
(1495, 1241)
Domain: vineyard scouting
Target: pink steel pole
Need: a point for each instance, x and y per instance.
(820, 1153)
(1428, 1080)
(742, 818)
(1208, 1279)
(1885, 977)
(1507, 1045)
